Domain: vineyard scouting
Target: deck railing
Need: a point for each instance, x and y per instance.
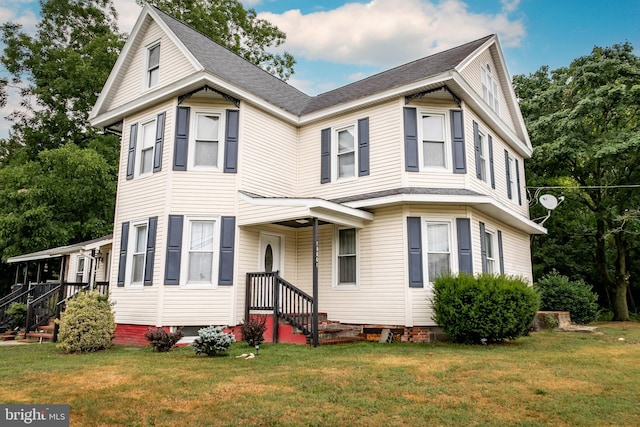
(269, 291)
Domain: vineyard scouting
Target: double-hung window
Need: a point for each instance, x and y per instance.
(490, 245)
(490, 89)
(483, 156)
(346, 152)
(511, 177)
(153, 65)
(147, 143)
(138, 252)
(438, 243)
(80, 266)
(200, 255)
(205, 142)
(434, 135)
(347, 262)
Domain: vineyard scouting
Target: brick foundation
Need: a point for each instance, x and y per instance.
(131, 334)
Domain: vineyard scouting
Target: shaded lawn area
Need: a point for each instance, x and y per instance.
(555, 379)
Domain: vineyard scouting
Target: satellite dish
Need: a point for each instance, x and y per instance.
(548, 201)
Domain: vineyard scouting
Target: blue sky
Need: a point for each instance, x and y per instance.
(336, 42)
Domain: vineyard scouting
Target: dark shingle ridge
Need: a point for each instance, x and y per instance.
(407, 190)
(236, 70)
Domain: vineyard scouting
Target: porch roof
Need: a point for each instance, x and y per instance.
(63, 250)
(295, 212)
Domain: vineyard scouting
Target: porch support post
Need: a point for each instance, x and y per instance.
(17, 274)
(314, 314)
(276, 304)
(38, 272)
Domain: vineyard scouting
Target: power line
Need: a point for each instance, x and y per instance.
(590, 187)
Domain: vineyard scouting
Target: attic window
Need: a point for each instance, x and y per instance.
(153, 65)
(490, 89)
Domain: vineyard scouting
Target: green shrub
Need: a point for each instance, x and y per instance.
(212, 341)
(485, 308)
(18, 313)
(558, 293)
(253, 330)
(87, 324)
(161, 340)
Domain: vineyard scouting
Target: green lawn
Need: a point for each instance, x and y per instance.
(554, 379)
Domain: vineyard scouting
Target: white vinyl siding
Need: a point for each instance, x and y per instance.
(131, 82)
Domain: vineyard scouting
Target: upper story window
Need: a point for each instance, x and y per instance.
(153, 65)
(347, 257)
(346, 152)
(490, 89)
(147, 143)
(435, 141)
(206, 144)
(490, 245)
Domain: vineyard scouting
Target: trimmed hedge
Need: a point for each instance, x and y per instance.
(558, 293)
(484, 308)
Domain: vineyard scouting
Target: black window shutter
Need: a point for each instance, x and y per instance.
(151, 251)
(518, 182)
(181, 145)
(465, 257)
(483, 248)
(411, 140)
(227, 244)
(501, 252)
(363, 147)
(414, 240)
(231, 142)
(493, 177)
(157, 152)
(457, 141)
(325, 156)
(476, 146)
(122, 261)
(174, 250)
(506, 165)
(131, 158)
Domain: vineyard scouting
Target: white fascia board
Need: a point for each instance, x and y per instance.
(378, 97)
(32, 257)
(469, 59)
(485, 204)
(319, 206)
(192, 82)
(480, 108)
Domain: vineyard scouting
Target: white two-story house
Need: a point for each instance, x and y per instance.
(352, 201)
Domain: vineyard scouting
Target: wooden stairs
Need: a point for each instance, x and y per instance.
(329, 332)
(41, 334)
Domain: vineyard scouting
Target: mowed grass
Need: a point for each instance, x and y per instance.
(557, 379)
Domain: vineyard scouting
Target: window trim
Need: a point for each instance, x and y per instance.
(191, 150)
(512, 178)
(335, 155)
(186, 239)
(336, 263)
(491, 241)
(484, 156)
(133, 228)
(446, 123)
(153, 122)
(82, 272)
(490, 88)
(453, 246)
(147, 67)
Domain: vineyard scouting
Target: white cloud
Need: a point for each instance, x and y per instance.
(388, 32)
(128, 12)
(509, 6)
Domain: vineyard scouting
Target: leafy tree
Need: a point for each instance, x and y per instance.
(60, 72)
(65, 195)
(584, 123)
(230, 24)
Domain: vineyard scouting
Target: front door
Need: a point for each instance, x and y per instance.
(270, 258)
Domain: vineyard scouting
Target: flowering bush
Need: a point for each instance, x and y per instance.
(253, 330)
(212, 341)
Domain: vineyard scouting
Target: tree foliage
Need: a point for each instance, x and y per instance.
(230, 24)
(584, 123)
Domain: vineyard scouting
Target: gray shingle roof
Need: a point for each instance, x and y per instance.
(236, 70)
(407, 190)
